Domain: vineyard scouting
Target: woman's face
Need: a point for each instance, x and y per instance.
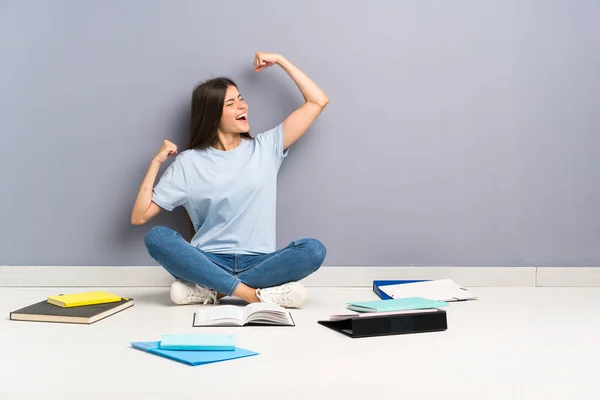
(235, 113)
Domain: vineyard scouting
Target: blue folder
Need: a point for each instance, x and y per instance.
(193, 357)
(380, 283)
(200, 342)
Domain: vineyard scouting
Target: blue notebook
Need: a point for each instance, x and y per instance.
(408, 303)
(198, 342)
(192, 357)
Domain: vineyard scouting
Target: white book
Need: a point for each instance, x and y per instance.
(252, 314)
(336, 317)
(441, 289)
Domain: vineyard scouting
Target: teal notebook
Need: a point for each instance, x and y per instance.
(192, 357)
(407, 303)
(198, 342)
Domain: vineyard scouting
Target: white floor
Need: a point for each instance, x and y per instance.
(512, 343)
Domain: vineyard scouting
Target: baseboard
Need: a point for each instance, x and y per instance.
(466, 276)
(84, 276)
(569, 276)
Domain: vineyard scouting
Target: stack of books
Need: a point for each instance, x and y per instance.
(195, 349)
(75, 308)
(389, 317)
(406, 306)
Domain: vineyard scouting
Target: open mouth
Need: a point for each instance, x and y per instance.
(243, 117)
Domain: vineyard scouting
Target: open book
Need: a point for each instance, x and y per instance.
(252, 314)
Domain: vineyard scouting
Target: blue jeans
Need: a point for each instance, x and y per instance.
(224, 272)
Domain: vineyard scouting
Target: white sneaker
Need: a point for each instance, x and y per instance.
(290, 295)
(189, 293)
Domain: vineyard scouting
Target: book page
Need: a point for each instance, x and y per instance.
(219, 315)
(267, 313)
(257, 307)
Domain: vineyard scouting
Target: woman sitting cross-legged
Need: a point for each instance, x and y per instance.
(226, 181)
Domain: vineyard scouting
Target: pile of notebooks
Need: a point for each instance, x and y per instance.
(76, 308)
(195, 349)
(405, 307)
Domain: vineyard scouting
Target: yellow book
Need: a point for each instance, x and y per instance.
(83, 299)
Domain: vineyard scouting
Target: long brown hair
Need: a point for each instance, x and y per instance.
(207, 108)
(208, 99)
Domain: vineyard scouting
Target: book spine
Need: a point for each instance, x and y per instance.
(380, 293)
(57, 303)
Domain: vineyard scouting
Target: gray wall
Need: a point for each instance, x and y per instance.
(458, 133)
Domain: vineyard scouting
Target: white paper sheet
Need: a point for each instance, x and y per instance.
(442, 289)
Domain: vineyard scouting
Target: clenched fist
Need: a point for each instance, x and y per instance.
(265, 60)
(167, 149)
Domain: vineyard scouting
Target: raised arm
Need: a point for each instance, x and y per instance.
(144, 209)
(315, 100)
